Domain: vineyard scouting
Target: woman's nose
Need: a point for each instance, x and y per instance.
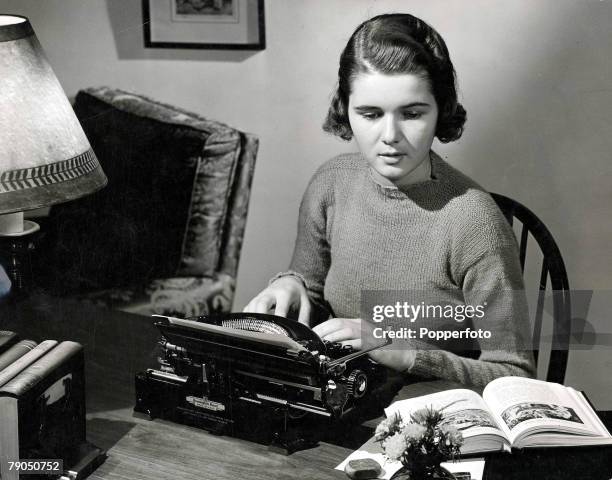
(391, 132)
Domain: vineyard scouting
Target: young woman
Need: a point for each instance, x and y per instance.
(395, 216)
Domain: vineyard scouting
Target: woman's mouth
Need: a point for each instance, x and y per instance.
(391, 157)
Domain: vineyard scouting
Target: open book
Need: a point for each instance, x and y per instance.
(514, 412)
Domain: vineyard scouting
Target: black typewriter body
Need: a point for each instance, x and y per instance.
(256, 376)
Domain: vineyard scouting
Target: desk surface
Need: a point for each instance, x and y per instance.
(117, 345)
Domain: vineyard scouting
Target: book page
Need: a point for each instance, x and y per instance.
(463, 409)
(526, 406)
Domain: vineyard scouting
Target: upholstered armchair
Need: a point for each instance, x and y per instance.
(165, 235)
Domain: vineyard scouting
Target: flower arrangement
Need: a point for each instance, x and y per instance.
(420, 444)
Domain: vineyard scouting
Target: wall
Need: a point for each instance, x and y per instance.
(534, 77)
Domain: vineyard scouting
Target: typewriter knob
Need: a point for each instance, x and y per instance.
(357, 383)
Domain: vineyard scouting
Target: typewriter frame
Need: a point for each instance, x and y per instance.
(287, 393)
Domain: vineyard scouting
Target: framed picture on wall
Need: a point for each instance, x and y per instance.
(211, 24)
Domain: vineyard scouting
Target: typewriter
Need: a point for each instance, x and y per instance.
(256, 376)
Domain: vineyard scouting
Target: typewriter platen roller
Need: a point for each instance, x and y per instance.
(256, 376)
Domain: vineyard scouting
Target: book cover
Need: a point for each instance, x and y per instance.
(16, 351)
(7, 339)
(43, 410)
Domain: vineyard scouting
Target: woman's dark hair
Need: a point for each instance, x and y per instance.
(394, 44)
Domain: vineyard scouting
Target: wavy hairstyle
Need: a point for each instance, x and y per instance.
(395, 44)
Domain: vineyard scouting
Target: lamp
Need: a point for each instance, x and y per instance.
(45, 157)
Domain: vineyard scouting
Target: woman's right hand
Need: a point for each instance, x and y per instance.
(283, 294)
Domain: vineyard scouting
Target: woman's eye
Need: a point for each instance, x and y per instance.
(411, 115)
(370, 115)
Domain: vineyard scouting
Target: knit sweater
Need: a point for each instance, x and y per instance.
(444, 236)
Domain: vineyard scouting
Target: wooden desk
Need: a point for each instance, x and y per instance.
(117, 345)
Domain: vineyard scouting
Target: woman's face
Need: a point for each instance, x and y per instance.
(393, 118)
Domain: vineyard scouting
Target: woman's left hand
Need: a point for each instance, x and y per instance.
(349, 331)
(344, 330)
(398, 358)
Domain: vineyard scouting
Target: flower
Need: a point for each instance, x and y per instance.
(387, 427)
(413, 432)
(427, 417)
(452, 436)
(395, 446)
(420, 443)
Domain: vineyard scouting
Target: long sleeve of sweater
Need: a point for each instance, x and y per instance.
(311, 254)
(487, 282)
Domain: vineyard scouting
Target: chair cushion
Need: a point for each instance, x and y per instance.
(178, 297)
(163, 212)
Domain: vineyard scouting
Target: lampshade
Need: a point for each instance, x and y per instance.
(45, 158)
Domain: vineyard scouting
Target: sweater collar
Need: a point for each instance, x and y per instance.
(408, 190)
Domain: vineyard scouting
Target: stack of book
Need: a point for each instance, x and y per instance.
(42, 409)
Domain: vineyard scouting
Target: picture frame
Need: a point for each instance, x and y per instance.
(204, 24)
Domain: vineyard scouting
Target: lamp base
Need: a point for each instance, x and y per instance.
(15, 256)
